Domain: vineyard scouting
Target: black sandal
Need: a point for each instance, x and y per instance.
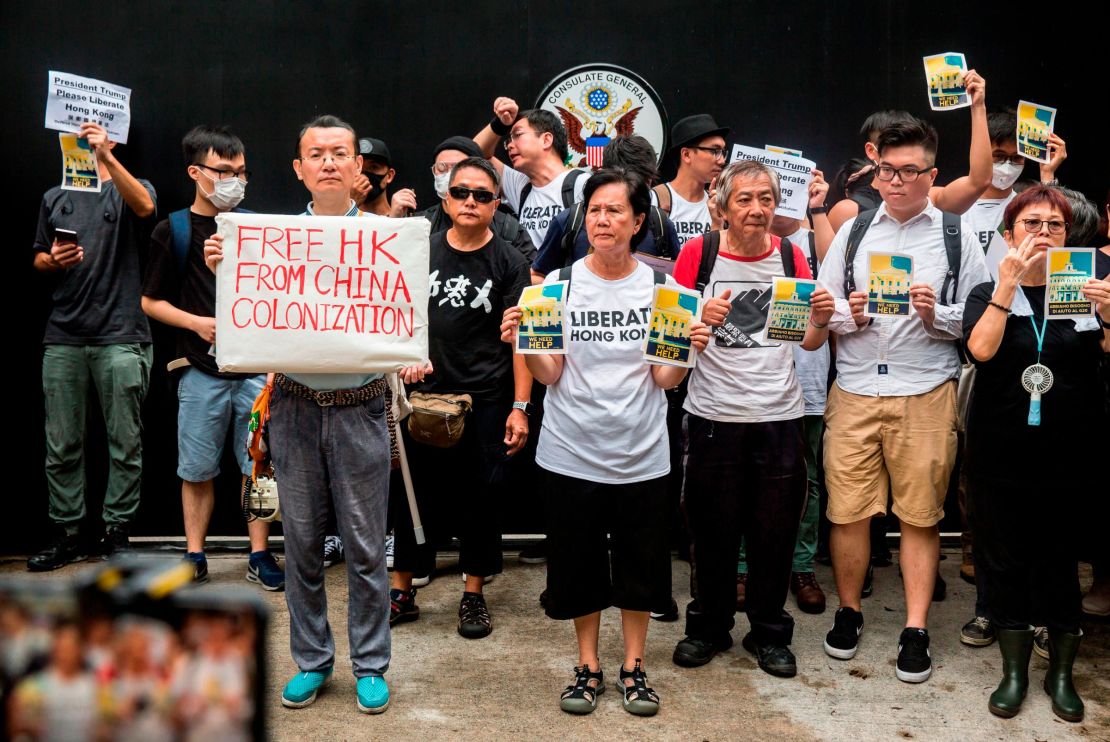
(581, 698)
(639, 699)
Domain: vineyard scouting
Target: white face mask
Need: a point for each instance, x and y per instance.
(226, 194)
(1005, 175)
(442, 182)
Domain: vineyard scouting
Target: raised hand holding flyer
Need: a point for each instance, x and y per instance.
(673, 311)
(944, 74)
(1034, 124)
(788, 315)
(889, 277)
(1069, 269)
(543, 327)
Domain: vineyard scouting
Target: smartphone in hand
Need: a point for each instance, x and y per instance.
(65, 236)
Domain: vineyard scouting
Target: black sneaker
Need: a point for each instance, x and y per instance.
(402, 606)
(868, 582)
(842, 641)
(474, 618)
(534, 554)
(773, 660)
(695, 651)
(978, 632)
(668, 614)
(116, 540)
(940, 589)
(914, 663)
(333, 551)
(64, 549)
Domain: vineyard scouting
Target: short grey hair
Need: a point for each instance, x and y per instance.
(1084, 218)
(746, 169)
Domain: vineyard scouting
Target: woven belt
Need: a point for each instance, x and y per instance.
(334, 397)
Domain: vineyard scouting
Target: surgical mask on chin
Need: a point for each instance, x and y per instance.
(226, 194)
(442, 181)
(1005, 175)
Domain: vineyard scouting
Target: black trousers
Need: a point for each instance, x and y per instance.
(743, 479)
(1027, 552)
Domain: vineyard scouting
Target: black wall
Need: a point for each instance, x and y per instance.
(802, 75)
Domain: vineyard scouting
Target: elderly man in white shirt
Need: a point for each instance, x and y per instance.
(891, 416)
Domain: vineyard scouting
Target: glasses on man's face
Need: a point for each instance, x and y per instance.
(227, 173)
(514, 135)
(1033, 226)
(717, 153)
(339, 158)
(461, 193)
(1012, 159)
(442, 168)
(907, 174)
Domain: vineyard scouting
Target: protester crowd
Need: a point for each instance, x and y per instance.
(741, 464)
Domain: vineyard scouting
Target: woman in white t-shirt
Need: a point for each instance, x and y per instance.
(603, 445)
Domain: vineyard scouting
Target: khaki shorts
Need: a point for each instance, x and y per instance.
(880, 446)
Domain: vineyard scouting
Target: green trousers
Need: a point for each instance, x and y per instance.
(805, 548)
(120, 374)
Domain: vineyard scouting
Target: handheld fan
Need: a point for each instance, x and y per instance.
(1037, 379)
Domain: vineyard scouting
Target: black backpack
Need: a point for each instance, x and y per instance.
(711, 245)
(567, 191)
(578, 218)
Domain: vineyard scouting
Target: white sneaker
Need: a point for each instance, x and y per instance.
(422, 581)
(485, 580)
(389, 551)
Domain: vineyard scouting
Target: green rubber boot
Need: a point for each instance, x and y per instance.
(1062, 649)
(1016, 646)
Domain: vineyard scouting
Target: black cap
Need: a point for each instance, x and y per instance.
(375, 148)
(692, 129)
(466, 145)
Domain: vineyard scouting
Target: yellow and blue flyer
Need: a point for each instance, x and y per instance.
(543, 327)
(79, 171)
(1069, 269)
(673, 311)
(783, 150)
(788, 315)
(889, 276)
(1034, 124)
(944, 74)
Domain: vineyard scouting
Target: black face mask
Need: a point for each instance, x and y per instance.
(376, 187)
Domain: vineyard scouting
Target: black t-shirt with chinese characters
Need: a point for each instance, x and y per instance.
(96, 301)
(192, 289)
(469, 292)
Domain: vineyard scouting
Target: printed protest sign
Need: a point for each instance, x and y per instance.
(543, 328)
(944, 74)
(79, 171)
(315, 294)
(1069, 269)
(795, 175)
(673, 310)
(889, 276)
(71, 100)
(788, 315)
(1034, 124)
(782, 150)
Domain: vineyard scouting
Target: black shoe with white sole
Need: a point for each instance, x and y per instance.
(914, 663)
(842, 641)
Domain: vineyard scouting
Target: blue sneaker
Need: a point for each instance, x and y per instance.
(263, 569)
(373, 695)
(200, 566)
(301, 689)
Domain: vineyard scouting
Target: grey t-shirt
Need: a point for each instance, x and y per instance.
(96, 301)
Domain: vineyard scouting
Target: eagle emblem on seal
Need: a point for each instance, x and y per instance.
(595, 121)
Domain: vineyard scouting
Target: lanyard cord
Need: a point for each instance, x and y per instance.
(1039, 333)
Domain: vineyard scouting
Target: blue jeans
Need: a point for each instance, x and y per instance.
(206, 406)
(339, 454)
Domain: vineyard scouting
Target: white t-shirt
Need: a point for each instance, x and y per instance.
(605, 419)
(812, 366)
(982, 220)
(543, 204)
(690, 218)
(742, 378)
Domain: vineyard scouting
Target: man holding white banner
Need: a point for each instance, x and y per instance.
(335, 302)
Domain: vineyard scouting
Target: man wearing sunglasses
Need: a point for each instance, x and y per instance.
(536, 184)
(698, 145)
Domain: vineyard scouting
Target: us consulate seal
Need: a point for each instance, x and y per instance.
(599, 101)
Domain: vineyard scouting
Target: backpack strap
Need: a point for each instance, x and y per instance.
(663, 193)
(710, 246)
(786, 252)
(812, 257)
(573, 229)
(855, 237)
(952, 246)
(659, 232)
(567, 190)
(564, 275)
(182, 232)
(525, 192)
(658, 277)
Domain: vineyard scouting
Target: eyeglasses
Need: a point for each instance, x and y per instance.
(717, 153)
(1012, 159)
(514, 135)
(317, 158)
(461, 193)
(225, 173)
(442, 168)
(907, 174)
(1034, 225)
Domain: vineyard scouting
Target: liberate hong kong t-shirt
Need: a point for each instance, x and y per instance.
(543, 204)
